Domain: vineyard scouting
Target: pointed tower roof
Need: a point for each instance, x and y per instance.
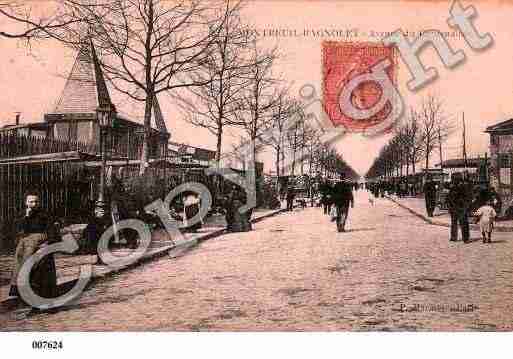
(85, 89)
(158, 117)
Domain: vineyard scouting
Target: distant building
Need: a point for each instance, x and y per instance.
(60, 156)
(501, 164)
(74, 119)
(190, 154)
(458, 165)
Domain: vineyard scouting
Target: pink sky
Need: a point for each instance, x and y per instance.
(482, 86)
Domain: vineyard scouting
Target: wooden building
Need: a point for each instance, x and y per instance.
(501, 164)
(60, 155)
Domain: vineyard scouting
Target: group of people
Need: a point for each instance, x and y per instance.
(461, 197)
(236, 219)
(336, 198)
(35, 228)
(463, 202)
(401, 188)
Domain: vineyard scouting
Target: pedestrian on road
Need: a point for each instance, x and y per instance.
(487, 216)
(291, 194)
(237, 221)
(325, 190)
(33, 230)
(496, 200)
(342, 198)
(459, 199)
(430, 195)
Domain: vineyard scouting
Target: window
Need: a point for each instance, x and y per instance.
(38, 133)
(504, 160)
(84, 131)
(61, 130)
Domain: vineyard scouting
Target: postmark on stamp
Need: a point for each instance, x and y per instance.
(342, 62)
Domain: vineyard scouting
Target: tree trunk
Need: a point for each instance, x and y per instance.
(278, 162)
(145, 152)
(219, 144)
(150, 92)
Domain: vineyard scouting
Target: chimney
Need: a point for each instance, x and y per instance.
(18, 118)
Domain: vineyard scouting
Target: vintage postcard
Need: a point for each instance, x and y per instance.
(242, 166)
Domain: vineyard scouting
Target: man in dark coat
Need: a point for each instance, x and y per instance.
(459, 199)
(291, 194)
(430, 196)
(342, 198)
(496, 200)
(33, 230)
(235, 220)
(325, 191)
(96, 226)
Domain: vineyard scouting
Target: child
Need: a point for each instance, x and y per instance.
(486, 215)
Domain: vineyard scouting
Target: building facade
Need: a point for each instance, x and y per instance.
(501, 164)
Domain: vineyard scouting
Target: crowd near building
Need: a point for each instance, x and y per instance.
(62, 155)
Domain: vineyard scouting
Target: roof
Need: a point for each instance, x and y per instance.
(460, 163)
(85, 89)
(501, 127)
(48, 157)
(36, 125)
(198, 153)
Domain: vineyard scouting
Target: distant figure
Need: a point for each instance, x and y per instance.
(459, 203)
(430, 196)
(342, 198)
(496, 200)
(487, 216)
(96, 226)
(236, 220)
(291, 194)
(325, 190)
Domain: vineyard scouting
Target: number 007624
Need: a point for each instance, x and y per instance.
(46, 344)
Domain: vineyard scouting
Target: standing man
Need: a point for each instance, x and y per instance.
(496, 200)
(33, 230)
(325, 191)
(459, 203)
(291, 194)
(342, 197)
(430, 195)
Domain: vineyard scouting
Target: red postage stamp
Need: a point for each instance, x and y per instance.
(343, 62)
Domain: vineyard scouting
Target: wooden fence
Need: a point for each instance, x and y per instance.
(14, 145)
(64, 189)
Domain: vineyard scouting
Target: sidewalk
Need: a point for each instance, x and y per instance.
(417, 206)
(68, 265)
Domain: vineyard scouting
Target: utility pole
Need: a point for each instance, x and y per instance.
(464, 144)
(440, 149)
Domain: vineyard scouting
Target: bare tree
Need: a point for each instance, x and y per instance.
(239, 151)
(413, 137)
(281, 117)
(295, 136)
(213, 105)
(434, 125)
(26, 25)
(255, 109)
(149, 46)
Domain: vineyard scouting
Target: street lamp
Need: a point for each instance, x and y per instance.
(105, 116)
